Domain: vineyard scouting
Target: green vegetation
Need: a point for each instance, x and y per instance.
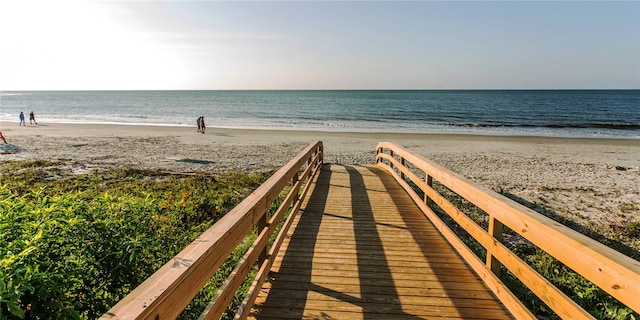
(593, 299)
(627, 207)
(74, 244)
(634, 229)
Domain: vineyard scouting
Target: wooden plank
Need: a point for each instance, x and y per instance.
(364, 282)
(282, 314)
(362, 273)
(307, 299)
(345, 311)
(430, 289)
(342, 248)
(331, 261)
(360, 246)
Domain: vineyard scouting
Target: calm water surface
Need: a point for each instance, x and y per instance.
(588, 113)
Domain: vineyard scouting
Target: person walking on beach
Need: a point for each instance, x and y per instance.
(199, 124)
(22, 122)
(202, 127)
(32, 118)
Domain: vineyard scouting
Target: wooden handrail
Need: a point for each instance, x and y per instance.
(169, 290)
(610, 270)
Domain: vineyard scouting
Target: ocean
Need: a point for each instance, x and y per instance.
(572, 113)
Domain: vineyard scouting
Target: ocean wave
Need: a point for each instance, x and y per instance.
(611, 126)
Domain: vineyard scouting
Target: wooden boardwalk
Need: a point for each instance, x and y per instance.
(361, 249)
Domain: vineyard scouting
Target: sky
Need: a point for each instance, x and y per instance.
(218, 45)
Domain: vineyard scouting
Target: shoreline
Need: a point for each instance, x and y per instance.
(589, 181)
(70, 128)
(589, 149)
(340, 130)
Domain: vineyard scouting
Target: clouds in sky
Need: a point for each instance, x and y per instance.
(84, 45)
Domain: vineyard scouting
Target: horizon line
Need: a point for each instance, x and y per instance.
(360, 89)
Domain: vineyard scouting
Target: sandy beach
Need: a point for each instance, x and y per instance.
(592, 182)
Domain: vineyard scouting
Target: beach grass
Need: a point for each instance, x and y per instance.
(77, 243)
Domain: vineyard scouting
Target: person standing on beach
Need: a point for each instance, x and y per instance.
(199, 124)
(22, 122)
(202, 127)
(32, 118)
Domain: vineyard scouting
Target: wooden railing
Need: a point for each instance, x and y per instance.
(610, 270)
(167, 292)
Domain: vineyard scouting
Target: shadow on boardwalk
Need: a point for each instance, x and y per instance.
(361, 249)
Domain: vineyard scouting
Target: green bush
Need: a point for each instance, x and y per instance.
(74, 245)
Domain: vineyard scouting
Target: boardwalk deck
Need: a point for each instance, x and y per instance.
(361, 249)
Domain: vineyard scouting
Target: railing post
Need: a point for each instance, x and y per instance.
(262, 223)
(402, 172)
(429, 180)
(391, 162)
(495, 230)
(296, 177)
